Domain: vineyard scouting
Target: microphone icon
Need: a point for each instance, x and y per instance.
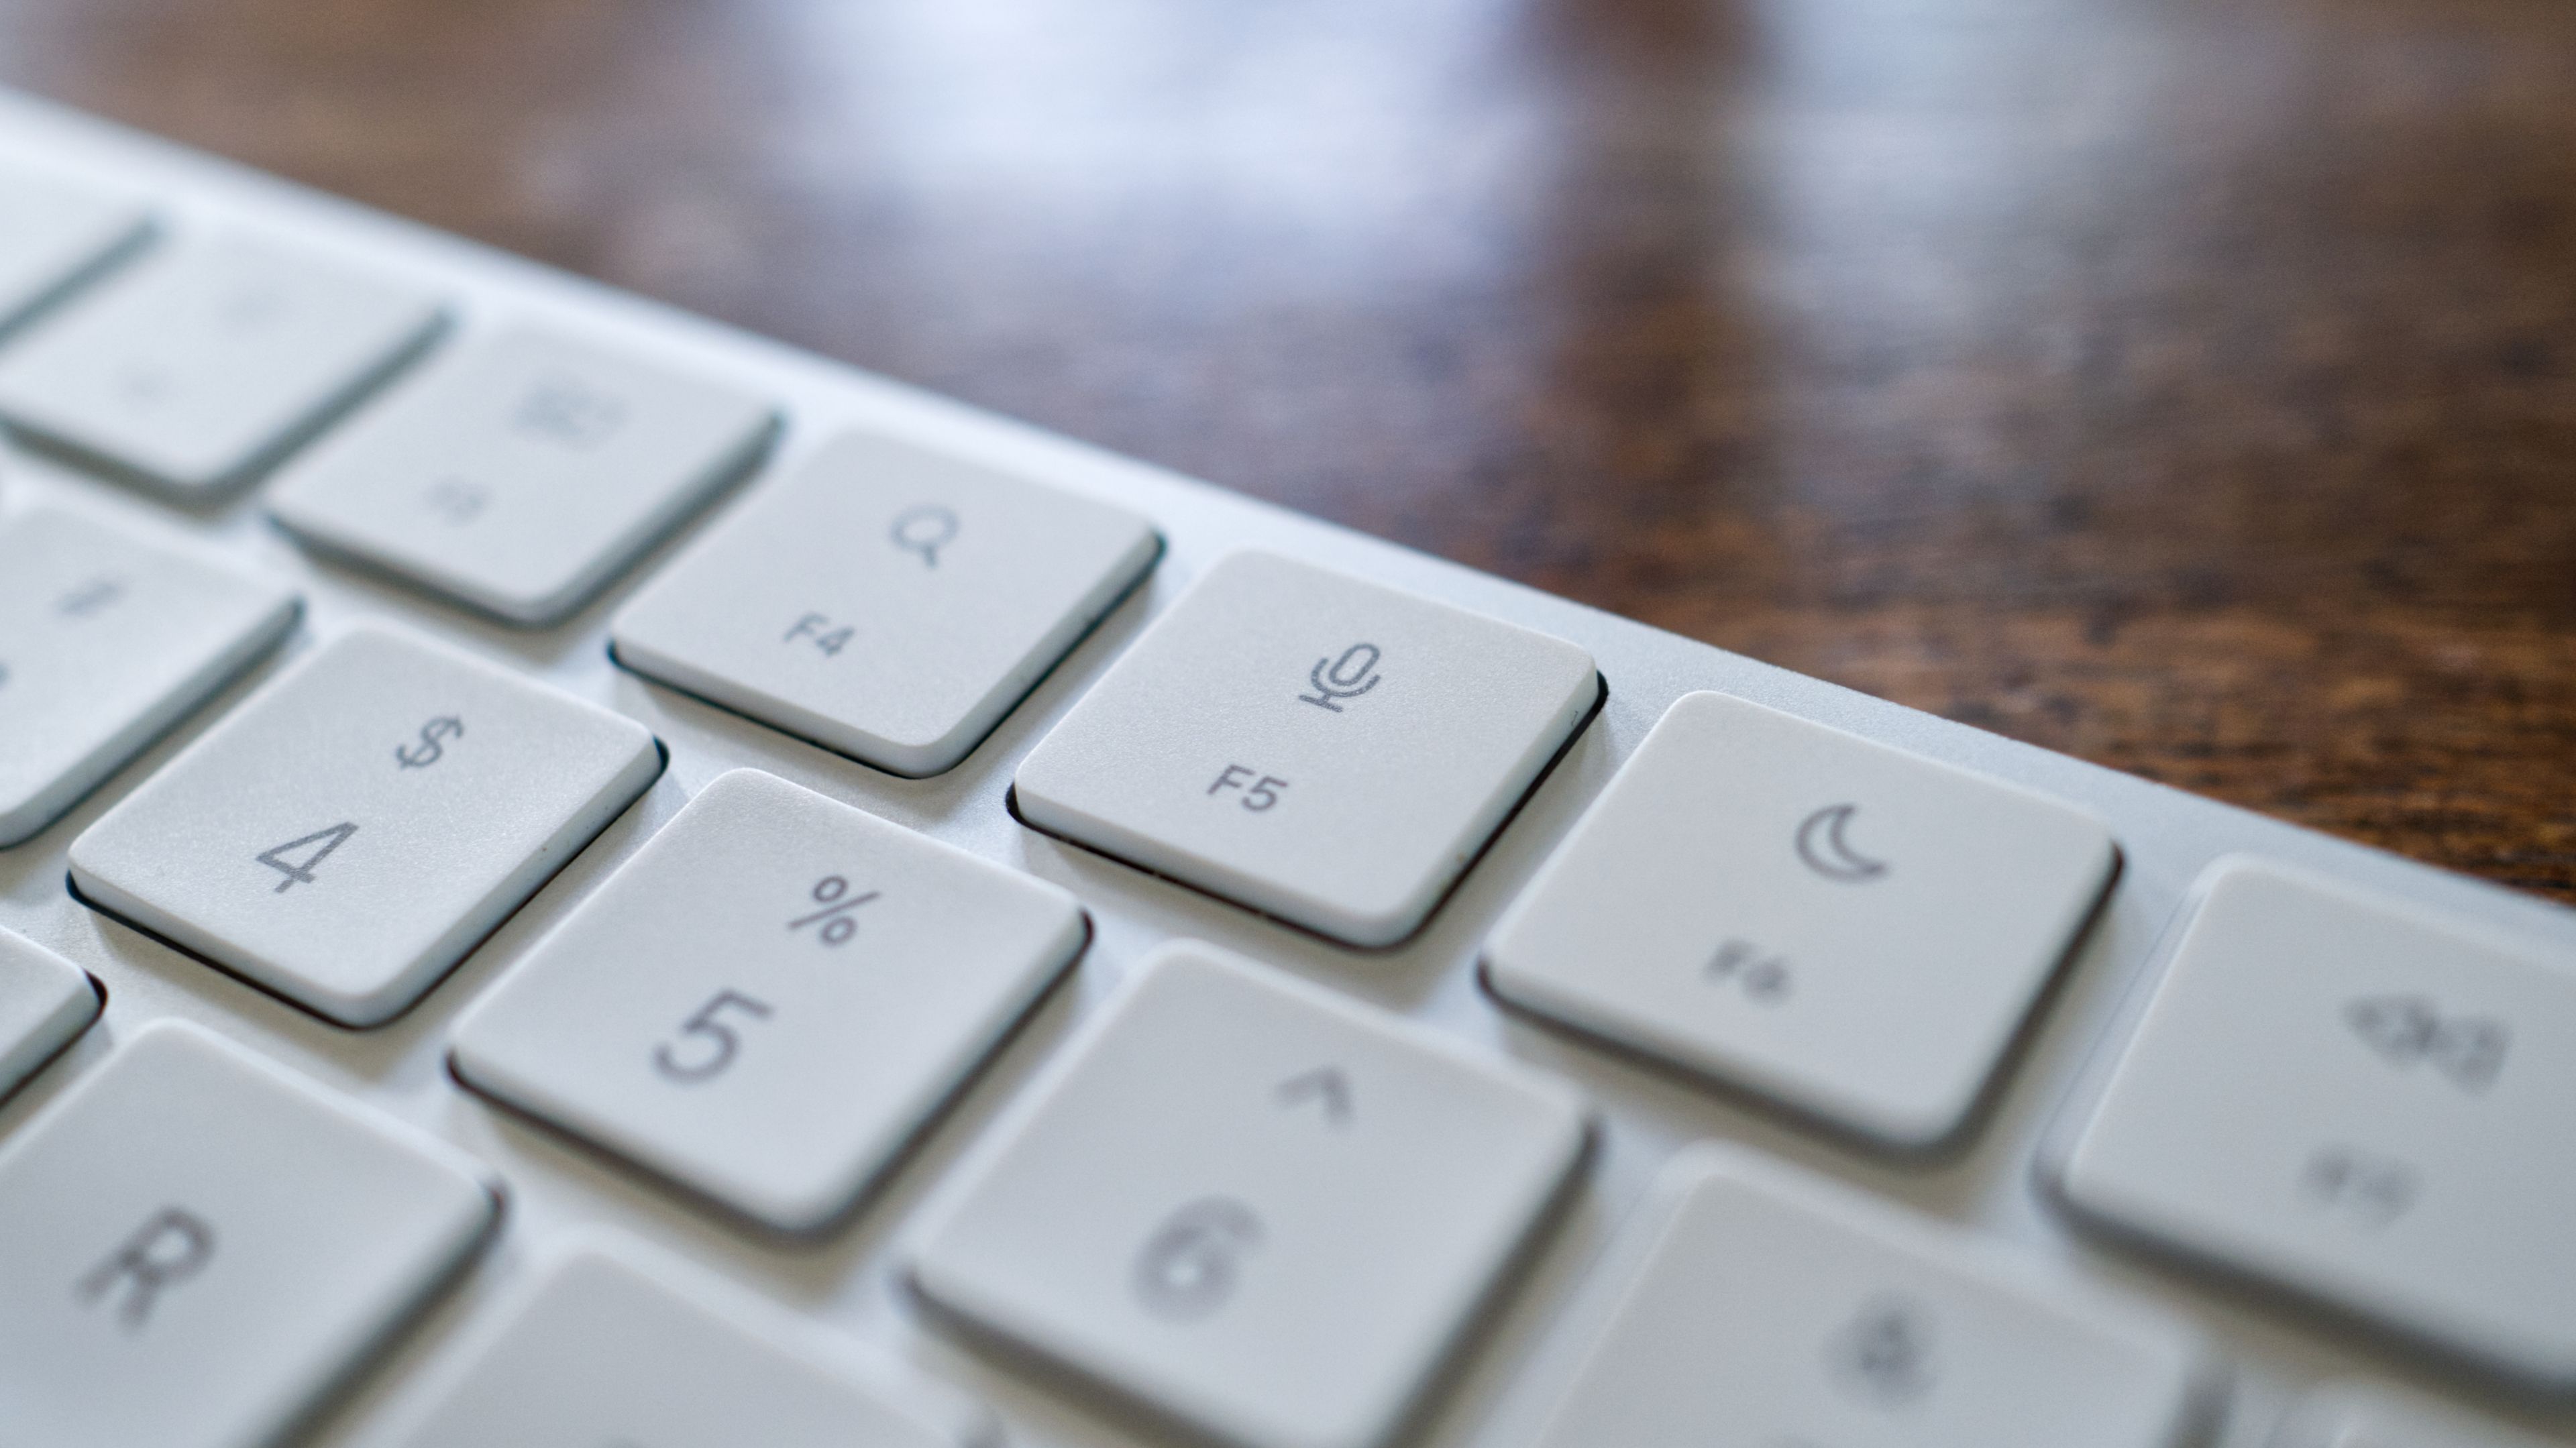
(1348, 677)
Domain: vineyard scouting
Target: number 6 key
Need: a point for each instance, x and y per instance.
(1264, 1209)
(346, 836)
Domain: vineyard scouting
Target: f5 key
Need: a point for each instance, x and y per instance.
(1315, 746)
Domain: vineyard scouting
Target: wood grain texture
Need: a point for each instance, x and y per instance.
(2190, 386)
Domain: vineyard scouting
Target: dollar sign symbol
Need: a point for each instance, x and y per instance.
(445, 726)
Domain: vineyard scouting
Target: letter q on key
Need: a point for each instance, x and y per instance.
(1347, 677)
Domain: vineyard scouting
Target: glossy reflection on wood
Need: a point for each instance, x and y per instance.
(2190, 387)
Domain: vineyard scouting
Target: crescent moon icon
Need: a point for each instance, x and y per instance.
(1822, 846)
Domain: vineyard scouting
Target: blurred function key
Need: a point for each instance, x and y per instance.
(2358, 1099)
(616, 1345)
(198, 1243)
(208, 359)
(107, 640)
(1856, 931)
(45, 1003)
(521, 472)
(56, 234)
(771, 998)
(1260, 1207)
(1316, 746)
(1773, 1309)
(885, 601)
(352, 830)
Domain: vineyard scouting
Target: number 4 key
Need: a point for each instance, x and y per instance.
(328, 844)
(301, 871)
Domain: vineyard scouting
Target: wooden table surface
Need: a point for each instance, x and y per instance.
(2190, 386)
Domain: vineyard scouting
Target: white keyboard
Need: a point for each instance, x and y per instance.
(572, 876)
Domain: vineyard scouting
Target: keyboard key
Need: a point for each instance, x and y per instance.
(198, 1243)
(106, 641)
(2359, 1100)
(1799, 1314)
(617, 1345)
(519, 474)
(56, 234)
(45, 1003)
(347, 835)
(2355, 1416)
(207, 360)
(771, 998)
(1320, 748)
(1855, 931)
(1258, 1206)
(887, 602)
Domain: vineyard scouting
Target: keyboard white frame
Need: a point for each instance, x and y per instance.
(846, 1277)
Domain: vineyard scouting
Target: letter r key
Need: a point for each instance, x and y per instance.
(170, 1248)
(196, 1243)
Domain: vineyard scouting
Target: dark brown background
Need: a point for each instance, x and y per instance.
(2190, 386)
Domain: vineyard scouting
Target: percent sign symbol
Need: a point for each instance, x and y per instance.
(837, 924)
